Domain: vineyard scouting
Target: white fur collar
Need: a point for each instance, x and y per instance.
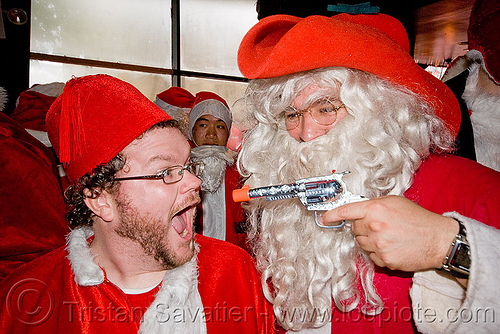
(87, 272)
(177, 307)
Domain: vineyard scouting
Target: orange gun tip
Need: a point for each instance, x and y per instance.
(241, 195)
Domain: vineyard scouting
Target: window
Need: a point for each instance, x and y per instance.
(132, 40)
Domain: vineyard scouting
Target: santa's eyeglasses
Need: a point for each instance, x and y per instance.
(323, 112)
(171, 174)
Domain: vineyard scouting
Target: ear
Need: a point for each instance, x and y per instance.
(100, 203)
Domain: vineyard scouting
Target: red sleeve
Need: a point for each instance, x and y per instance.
(450, 183)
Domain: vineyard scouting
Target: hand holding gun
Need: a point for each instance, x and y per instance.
(321, 193)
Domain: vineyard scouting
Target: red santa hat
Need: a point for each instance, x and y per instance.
(175, 97)
(484, 37)
(282, 44)
(208, 103)
(95, 118)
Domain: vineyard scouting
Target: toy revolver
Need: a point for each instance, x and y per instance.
(321, 193)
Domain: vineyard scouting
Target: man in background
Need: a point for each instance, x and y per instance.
(209, 128)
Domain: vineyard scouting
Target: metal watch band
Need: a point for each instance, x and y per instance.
(457, 262)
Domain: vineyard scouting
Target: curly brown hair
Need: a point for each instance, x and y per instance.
(101, 179)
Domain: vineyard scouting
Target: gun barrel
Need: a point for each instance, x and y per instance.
(272, 192)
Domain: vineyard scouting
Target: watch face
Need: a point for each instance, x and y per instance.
(461, 257)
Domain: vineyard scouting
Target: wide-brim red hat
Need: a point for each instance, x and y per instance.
(282, 44)
(95, 118)
(484, 36)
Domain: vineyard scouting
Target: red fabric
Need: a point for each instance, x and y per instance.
(31, 203)
(388, 24)
(483, 34)
(282, 44)
(228, 284)
(95, 118)
(442, 184)
(178, 97)
(234, 212)
(232, 283)
(32, 109)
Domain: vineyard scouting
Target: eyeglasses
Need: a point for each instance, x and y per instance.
(171, 174)
(323, 112)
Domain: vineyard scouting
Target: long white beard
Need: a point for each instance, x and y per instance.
(215, 160)
(485, 119)
(307, 265)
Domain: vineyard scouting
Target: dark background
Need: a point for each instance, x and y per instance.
(15, 53)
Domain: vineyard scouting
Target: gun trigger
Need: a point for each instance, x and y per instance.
(324, 226)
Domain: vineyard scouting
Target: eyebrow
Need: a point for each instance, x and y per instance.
(161, 157)
(204, 119)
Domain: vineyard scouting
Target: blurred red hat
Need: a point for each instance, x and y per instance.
(484, 37)
(282, 44)
(34, 103)
(175, 96)
(95, 118)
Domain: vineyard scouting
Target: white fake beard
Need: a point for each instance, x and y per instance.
(485, 119)
(215, 160)
(308, 265)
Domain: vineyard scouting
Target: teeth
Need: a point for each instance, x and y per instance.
(184, 233)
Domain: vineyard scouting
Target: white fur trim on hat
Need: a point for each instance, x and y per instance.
(476, 56)
(209, 107)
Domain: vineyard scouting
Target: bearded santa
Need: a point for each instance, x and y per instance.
(209, 129)
(390, 125)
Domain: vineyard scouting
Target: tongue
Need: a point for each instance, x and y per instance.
(178, 224)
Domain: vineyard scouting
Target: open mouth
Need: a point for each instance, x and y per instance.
(182, 221)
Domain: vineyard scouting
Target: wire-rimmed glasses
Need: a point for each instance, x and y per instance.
(323, 112)
(171, 174)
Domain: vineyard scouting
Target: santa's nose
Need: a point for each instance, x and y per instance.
(309, 129)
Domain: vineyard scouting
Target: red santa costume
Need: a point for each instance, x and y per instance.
(219, 288)
(66, 291)
(396, 115)
(31, 202)
(219, 216)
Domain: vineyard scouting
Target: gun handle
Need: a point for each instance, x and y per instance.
(241, 195)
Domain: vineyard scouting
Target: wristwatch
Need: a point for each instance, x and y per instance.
(457, 262)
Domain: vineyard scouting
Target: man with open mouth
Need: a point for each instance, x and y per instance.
(132, 262)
